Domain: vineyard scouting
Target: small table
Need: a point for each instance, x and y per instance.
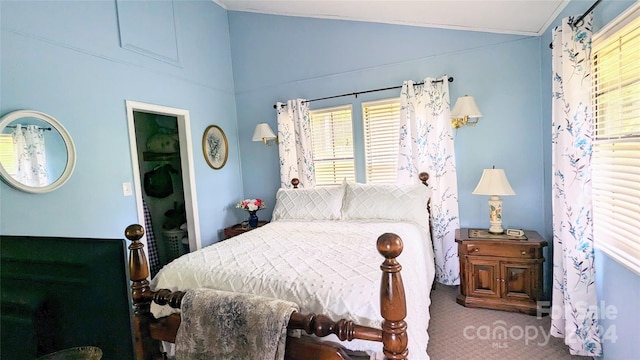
(500, 272)
(241, 228)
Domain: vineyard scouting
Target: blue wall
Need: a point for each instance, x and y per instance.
(618, 288)
(276, 58)
(64, 58)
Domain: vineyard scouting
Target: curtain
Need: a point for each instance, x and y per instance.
(574, 303)
(426, 144)
(31, 161)
(294, 143)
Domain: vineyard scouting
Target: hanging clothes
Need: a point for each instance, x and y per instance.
(158, 183)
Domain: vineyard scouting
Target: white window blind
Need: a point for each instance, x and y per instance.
(7, 154)
(381, 120)
(616, 155)
(332, 140)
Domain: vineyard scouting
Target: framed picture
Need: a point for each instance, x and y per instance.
(215, 147)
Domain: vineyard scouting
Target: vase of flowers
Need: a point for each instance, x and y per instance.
(252, 206)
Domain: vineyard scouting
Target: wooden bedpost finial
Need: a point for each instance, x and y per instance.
(295, 182)
(424, 177)
(389, 245)
(134, 232)
(393, 305)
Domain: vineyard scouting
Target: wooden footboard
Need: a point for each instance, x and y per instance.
(149, 331)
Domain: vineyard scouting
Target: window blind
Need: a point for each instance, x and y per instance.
(616, 134)
(332, 143)
(381, 120)
(7, 154)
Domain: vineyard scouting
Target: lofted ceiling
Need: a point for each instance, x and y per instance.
(520, 17)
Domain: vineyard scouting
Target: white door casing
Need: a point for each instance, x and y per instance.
(186, 161)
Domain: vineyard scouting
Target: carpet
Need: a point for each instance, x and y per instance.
(457, 332)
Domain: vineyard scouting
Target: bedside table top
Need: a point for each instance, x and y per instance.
(530, 236)
(238, 229)
(245, 225)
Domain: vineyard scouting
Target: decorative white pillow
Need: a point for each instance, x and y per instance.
(323, 203)
(387, 201)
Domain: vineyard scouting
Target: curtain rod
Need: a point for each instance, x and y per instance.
(39, 127)
(577, 22)
(449, 79)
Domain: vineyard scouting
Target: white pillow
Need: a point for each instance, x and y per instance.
(322, 203)
(387, 201)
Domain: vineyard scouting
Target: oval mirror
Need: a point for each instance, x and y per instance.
(37, 154)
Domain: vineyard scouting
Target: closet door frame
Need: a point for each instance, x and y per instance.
(186, 161)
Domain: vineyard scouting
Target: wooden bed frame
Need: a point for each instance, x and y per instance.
(149, 332)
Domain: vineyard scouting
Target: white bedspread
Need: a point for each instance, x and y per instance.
(326, 267)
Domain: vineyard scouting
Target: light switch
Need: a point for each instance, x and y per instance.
(126, 189)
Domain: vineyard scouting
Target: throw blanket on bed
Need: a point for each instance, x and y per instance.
(226, 325)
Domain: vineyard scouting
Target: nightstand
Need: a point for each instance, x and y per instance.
(241, 228)
(500, 272)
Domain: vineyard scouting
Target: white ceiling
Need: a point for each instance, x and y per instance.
(520, 17)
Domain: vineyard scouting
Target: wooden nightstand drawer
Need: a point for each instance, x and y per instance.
(491, 249)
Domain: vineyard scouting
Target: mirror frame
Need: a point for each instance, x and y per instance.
(71, 152)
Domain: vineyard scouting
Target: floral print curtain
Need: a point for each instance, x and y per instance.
(574, 302)
(426, 144)
(31, 160)
(294, 143)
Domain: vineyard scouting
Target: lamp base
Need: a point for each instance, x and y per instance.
(495, 215)
(496, 231)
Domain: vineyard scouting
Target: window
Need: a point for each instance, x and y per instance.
(616, 155)
(7, 154)
(332, 144)
(381, 120)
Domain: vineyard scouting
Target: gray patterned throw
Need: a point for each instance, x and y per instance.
(224, 325)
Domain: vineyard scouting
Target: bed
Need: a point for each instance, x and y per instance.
(319, 251)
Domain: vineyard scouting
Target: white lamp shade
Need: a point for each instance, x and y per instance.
(493, 182)
(465, 106)
(263, 132)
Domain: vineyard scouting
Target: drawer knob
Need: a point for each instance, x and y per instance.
(524, 252)
(476, 249)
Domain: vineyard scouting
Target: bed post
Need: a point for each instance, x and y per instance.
(393, 306)
(145, 347)
(424, 177)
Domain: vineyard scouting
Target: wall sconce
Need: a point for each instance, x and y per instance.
(494, 182)
(264, 133)
(465, 109)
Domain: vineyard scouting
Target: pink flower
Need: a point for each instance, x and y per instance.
(251, 204)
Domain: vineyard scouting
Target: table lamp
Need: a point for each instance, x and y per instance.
(494, 183)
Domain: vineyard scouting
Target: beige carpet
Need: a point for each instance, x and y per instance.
(457, 332)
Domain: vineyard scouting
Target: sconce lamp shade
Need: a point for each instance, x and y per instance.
(493, 182)
(466, 106)
(263, 133)
(465, 109)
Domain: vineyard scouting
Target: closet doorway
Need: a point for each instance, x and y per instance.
(164, 181)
